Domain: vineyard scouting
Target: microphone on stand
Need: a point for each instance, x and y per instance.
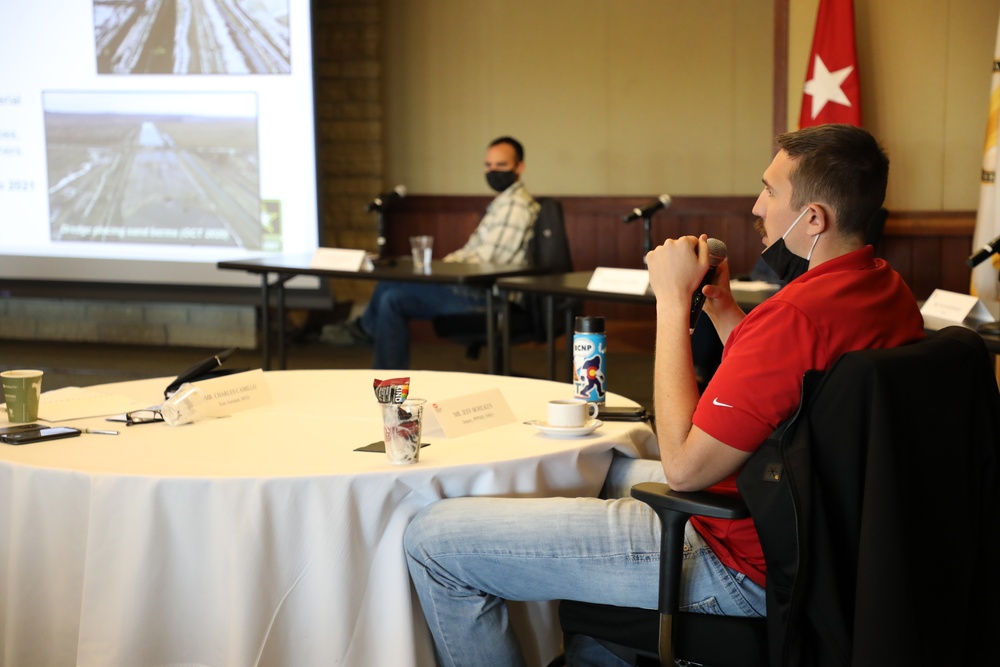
(983, 253)
(384, 200)
(663, 201)
(716, 255)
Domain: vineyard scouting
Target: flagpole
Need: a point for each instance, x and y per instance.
(780, 82)
(985, 278)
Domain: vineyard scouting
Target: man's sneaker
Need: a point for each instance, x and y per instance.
(345, 334)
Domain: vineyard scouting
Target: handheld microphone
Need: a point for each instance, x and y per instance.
(716, 255)
(662, 202)
(983, 253)
(383, 200)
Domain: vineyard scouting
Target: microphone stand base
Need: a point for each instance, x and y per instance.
(989, 329)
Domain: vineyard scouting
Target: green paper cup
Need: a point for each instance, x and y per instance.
(21, 390)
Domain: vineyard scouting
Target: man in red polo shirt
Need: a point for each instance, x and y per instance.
(820, 190)
(468, 555)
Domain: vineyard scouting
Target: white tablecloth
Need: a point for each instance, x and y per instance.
(260, 538)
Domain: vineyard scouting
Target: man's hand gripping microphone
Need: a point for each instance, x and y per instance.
(716, 255)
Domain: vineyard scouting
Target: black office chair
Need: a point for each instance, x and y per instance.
(548, 251)
(892, 457)
(873, 234)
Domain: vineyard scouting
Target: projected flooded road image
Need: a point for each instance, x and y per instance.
(147, 178)
(192, 36)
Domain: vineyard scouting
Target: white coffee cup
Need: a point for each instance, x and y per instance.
(571, 412)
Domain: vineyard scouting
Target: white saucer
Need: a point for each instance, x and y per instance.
(566, 431)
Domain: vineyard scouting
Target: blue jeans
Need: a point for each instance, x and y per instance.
(466, 556)
(394, 304)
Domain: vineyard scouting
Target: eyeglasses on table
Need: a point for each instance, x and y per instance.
(137, 417)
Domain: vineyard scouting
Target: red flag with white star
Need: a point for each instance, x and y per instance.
(832, 92)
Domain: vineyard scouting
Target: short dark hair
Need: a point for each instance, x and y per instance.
(839, 165)
(513, 143)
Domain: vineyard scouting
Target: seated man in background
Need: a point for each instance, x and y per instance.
(468, 555)
(500, 238)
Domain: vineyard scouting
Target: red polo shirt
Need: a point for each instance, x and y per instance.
(852, 302)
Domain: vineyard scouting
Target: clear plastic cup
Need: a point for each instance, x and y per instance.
(421, 247)
(401, 425)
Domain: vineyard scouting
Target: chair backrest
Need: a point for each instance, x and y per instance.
(873, 235)
(549, 246)
(547, 250)
(891, 451)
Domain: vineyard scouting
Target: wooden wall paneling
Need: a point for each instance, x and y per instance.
(956, 276)
(450, 220)
(597, 235)
(926, 253)
(897, 251)
(928, 249)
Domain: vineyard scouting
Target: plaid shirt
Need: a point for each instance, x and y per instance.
(504, 232)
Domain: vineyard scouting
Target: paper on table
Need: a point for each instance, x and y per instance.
(77, 403)
(338, 259)
(752, 285)
(619, 281)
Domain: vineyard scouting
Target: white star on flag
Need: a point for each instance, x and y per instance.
(833, 43)
(825, 86)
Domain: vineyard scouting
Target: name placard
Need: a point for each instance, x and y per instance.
(234, 393)
(338, 259)
(945, 308)
(469, 414)
(619, 281)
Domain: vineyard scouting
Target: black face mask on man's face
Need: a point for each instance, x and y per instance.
(500, 180)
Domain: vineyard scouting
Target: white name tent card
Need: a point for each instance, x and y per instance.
(229, 394)
(619, 281)
(338, 259)
(468, 414)
(945, 308)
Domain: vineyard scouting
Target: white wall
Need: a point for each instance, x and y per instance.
(608, 96)
(925, 80)
(619, 97)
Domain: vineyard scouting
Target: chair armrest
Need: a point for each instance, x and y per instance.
(624, 630)
(691, 503)
(674, 508)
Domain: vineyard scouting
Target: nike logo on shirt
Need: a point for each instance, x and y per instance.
(720, 404)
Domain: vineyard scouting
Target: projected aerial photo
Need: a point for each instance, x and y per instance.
(154, 168)
(192, 36)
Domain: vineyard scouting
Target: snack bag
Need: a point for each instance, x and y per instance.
(392, 391)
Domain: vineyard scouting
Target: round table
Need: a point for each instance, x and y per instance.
(262, 538)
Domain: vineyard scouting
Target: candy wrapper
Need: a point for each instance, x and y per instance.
(392, 391)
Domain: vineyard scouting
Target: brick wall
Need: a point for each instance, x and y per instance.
(349, 125)
(194, 325)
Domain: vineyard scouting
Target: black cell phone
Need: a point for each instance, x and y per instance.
(26, 436)
(623, 414)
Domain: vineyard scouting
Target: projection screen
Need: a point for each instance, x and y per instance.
(142, 141)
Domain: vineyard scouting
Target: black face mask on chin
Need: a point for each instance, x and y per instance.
(783, 261)
(500, 180)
